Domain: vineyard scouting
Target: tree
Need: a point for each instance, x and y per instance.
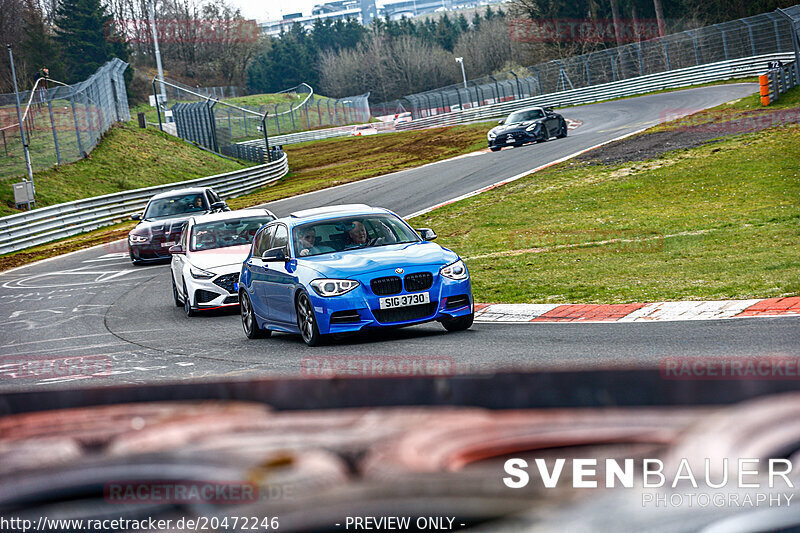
(87, 37)
(38, 50)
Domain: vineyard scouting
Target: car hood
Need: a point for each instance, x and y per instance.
(515, 126)
(162, 225)
(353, 263)
(220, 257)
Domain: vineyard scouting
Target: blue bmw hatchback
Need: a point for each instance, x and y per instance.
(347, 268)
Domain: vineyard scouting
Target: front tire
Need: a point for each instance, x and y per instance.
(175, 295)
(187, 303)
(494, 148)
(307, 321)
(249, 322)
(460, 323)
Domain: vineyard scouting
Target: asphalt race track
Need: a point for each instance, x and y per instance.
(95, 303)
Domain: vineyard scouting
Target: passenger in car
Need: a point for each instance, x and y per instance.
(307, 244)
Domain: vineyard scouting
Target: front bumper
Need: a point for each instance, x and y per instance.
(360, 308)
(148, 252)
(219, 291)
(516, 138)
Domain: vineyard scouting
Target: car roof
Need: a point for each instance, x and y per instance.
(332, 211)
(540, 108)
(178, 192)
(228, 215)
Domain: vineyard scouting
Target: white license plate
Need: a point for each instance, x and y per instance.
(404, 300)
(167, 244)
(510, 140)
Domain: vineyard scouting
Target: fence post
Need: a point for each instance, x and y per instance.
(244, 119)
(77, 128)
(538, 80)
(53, 125)
(793, 26)
(319, 112)
(588, 75)
(519, 89)
(89, 119)
(277, 122)
(158, 106)
(639, 55)
(696, 51)
(724, 42)
(752, 38)
(266, 139)
(666, 52)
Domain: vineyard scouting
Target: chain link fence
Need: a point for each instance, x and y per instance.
(226, 127)
(768, 33)
(62, 123)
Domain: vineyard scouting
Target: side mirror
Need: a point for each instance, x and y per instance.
(218, 206)
(275, 254)
(501, 121)
(427, 234)
(136, 216)
(176, 249)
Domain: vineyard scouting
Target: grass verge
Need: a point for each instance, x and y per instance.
(320, 164)
(714, 222)
(127, 158)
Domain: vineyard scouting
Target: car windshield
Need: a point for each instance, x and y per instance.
(224, 233)
(524, 116)
(175, 205)
(349, 233)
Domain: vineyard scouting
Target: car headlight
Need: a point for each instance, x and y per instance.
(532, 127)
(491, 135)
(457, 270)
(137, 238)
(333, 287)
(198, 273)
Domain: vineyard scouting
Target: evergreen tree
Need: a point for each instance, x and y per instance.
(86, 34)
(37, 49)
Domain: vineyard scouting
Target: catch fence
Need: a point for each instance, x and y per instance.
(63, 122)
(760, 35)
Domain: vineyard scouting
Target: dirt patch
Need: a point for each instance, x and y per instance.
(689, 132)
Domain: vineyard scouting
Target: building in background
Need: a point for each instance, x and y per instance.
(366, 11)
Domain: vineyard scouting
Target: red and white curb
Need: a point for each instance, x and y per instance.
(638, 312)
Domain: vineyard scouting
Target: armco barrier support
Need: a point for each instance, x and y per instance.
(775, 82)
(55, 222)
(763, 86)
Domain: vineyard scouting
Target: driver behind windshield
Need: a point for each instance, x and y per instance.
(357, 234)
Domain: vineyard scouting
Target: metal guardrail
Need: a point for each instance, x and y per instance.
(55, 222)
(777, 81)
(722, 70)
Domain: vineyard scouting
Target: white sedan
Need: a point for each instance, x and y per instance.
(208, 259)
